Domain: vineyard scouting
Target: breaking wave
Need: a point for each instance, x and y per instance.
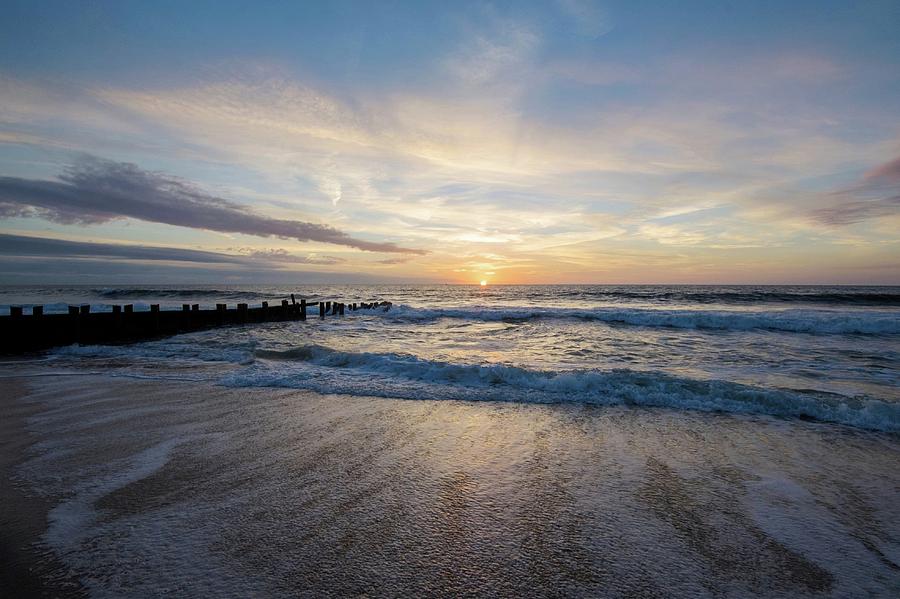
(823, 322)
(326, 370)
(832, 295)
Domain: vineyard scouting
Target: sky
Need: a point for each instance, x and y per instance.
(566, 141)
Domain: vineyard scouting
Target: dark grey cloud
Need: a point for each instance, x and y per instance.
(23, 246)
(877, 194)
(37, 260)
(98, 191)
(80, 271)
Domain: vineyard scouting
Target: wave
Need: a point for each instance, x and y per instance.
(795, 321)
(752, 296)
(187, 350)
(327, 370)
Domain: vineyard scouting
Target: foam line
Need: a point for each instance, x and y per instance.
(397, 375)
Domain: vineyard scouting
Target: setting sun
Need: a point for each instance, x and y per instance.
(483, 283)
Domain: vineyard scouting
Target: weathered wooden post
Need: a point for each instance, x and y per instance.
(322, 310)
(83, 331)
(37, 310)
(341, 312)
(154, 317)
(185, 307)
(13, 336)
(117, 319)
(195, 307)
(242, 313)
(220, 312)
(129, 308)
(74, 325)
(303, 308)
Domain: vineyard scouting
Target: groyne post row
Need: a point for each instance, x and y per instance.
(21, 333)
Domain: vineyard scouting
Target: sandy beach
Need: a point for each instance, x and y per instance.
(145, 487)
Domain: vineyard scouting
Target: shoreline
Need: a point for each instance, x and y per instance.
(194, 488)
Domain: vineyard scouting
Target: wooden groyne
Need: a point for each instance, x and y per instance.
(22, 333)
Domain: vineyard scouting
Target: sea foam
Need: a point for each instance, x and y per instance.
(327, 370)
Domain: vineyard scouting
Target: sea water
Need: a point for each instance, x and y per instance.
(827, 353)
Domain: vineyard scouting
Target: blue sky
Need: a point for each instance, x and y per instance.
(565, 141)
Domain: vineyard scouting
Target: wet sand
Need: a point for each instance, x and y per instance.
(26, 568)
(196, 489)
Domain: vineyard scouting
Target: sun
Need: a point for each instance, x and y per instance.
(483, 283)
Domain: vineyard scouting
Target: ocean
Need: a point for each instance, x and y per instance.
(822, 353)
(497, 441)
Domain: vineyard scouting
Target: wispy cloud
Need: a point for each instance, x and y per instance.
(590, 18)
(876, 195)
(97, 191)
(889, 172)
(282, 255)
(492, 56)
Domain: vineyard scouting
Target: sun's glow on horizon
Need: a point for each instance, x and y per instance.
(483, 283)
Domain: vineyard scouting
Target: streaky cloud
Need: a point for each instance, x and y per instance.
(44, 247)
(33, 260)
(281, 255)
(848, 213)
(877, 194)
(96, 191)
(889, 171)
